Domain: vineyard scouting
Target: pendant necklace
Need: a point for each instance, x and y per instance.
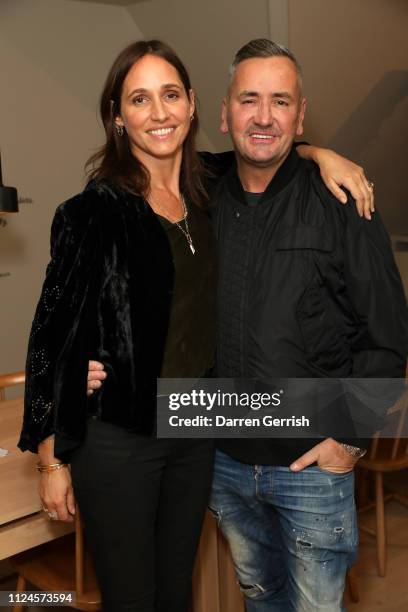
(186, 231)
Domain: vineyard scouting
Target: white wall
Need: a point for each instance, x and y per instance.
(355, 61)
(54, 56)
(206, 35)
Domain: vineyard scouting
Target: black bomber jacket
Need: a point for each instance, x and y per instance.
(307, 289)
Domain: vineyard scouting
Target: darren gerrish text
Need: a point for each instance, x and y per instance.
(222, 421)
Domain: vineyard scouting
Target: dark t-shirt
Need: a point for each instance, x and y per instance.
(252, 198)
(190, 345)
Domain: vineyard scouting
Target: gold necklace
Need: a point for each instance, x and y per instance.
(185, 232)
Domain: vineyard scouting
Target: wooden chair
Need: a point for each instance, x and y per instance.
(352, 586)
(60, 565)
(385, 455)
(10, 380)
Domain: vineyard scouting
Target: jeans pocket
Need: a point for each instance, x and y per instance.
(330, 473)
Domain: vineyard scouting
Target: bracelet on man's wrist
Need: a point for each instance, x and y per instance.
(354, 451)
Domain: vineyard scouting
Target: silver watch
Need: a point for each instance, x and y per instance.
(355, 451)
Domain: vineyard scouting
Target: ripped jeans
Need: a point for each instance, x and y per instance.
(292, 535)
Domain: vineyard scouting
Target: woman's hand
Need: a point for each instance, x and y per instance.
(55, 488)
(96, 375)
(57, 495)
(336, 172)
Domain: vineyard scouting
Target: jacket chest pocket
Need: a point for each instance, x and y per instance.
(318, 317)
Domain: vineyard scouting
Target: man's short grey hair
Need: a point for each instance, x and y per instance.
(263, 47)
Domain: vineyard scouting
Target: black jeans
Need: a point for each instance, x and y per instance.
(142, 501)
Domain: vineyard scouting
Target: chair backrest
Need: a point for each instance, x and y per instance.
(83, 568)
(391, 443)
(10, 380)
(79, 554)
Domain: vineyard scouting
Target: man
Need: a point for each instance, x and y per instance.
(307, 289)
(298, 297)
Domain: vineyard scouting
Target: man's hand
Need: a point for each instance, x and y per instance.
(96, 375)
(329, 455)
(336, 172)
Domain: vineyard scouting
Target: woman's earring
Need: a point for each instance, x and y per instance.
(192, 117)
(119, 129)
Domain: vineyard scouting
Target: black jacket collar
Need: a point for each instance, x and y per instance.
(282, 178)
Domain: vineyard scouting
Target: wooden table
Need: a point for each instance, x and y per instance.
(23, 524)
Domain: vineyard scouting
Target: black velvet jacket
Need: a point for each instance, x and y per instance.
(98, 299)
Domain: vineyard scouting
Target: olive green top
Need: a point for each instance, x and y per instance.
(190, 345)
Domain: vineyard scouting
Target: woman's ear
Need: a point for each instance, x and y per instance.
(301, 116)
(191, 96)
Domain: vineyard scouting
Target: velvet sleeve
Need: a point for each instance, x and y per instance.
(56, 368)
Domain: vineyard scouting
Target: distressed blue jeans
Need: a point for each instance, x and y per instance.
(292, 535)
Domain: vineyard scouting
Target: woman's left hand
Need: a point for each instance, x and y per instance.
(337, 172)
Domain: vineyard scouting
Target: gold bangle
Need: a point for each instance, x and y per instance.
(51, 467)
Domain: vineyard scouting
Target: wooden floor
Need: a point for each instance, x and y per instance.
(389, 594)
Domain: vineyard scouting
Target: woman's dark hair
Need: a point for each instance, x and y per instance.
(114, 161)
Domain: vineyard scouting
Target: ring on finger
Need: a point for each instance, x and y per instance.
(370, 185)
(53, 515)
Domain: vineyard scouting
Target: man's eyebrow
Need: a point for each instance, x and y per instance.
(282, 94)
(248, 94)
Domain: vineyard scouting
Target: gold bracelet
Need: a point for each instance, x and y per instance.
(51, 467)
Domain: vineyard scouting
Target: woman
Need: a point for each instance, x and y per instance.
(132, 283)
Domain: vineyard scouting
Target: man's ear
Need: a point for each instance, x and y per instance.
(299, 128)
(224, 123)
